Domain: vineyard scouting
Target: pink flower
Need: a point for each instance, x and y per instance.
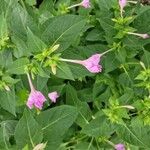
(144, 36)
(122, 3)
(36, 98)
(53, 96)
(91, 64)
(119, 147)
(85, 3)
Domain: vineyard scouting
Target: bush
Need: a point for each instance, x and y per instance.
(74, 75)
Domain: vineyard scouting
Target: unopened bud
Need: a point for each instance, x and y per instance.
(53, 68)
(128, 106)
(40, 146)
(7, 88)
(55, 47)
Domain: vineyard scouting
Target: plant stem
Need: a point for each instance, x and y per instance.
(74, 6)
(110, 143)
(133, 2)
(30, 83)
(107, 51)
(70, 60)
(90, 143)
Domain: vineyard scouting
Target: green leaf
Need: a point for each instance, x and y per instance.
(18, 66)
(82, 107)
(95, 35)
(55, 122)
(107, 5)
(84, 146)
(3, 27)
(21, 48)
(79, 71)
(35, 44)
(107, 24)
(31, 2)
(6, 131)
(111, 63)
(145, 59)
(63, 30)
(28, 131)
(64, 72)
(5, 58)
(41, 82)
(99, 127)
(20, 20)
(8, 101)
(141, 23)
(136, 134)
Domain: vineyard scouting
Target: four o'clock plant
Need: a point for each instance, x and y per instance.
(48, 59)
(92, 64)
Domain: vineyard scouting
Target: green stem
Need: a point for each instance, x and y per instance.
(70, 147)
(121, 13)
(110, 143)
(4, 132)
(107, 51)
(133, 2)
(30, 83)
(126, 72)
(74, 6)
(97, 144)
(90, 143)
(87, 122)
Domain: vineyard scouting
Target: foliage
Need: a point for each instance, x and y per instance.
(94, 110)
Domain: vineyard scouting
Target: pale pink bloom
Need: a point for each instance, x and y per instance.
(119, 147)
(85, 3)
(91, 64)
(36, 98)
(122, 3)
(53, 96)
(144, 36)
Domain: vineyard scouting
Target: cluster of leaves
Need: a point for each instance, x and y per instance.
(89, 112)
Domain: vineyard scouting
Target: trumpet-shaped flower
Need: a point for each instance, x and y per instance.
(119, 147)
(144, 36)
(91, 64)
(36, 98)
(86, 4)
(122, 4)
